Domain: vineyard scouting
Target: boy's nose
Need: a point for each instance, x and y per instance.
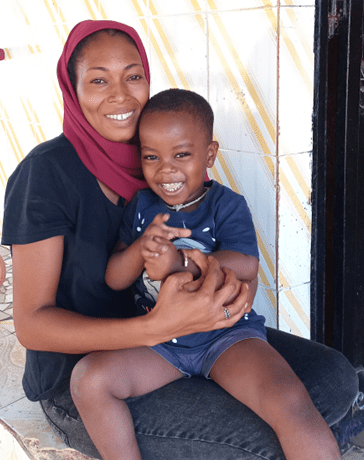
(167, 167)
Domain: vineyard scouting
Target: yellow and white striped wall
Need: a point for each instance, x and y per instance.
(253, 61)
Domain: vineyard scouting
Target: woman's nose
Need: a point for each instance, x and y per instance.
(118, 92)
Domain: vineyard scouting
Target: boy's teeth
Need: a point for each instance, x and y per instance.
(120, 116)
(172, 187)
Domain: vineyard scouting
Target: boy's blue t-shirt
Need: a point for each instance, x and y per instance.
(222, 221)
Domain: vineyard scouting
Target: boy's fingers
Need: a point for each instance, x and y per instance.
(154, 251)
(174, 232)
(155, 244)
(158, 228)
(160, 218)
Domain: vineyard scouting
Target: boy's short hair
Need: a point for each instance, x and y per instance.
(181, 100)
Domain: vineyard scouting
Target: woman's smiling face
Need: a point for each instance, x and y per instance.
(111, 86)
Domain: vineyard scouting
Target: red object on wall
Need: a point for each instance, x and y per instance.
(2, 54)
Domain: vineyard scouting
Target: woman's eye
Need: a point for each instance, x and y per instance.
(135, 77)
(98, 81)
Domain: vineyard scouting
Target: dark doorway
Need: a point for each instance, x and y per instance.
(337, 260)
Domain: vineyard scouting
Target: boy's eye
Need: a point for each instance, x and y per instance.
(182, 155)
(150, 157)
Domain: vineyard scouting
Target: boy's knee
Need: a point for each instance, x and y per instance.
(292, 403)
(297, 399)
(86, 380)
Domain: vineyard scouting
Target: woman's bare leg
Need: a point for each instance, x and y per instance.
(257, 375)
(99, 384)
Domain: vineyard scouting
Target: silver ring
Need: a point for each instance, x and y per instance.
(227, 313)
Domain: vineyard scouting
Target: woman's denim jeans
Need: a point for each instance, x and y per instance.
(194, 419)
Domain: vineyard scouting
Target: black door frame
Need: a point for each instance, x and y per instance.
(337, 251)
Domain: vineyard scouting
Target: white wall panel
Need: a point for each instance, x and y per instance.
(253, 61)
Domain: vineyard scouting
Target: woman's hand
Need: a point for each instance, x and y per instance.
(185, 306)
(201, 261)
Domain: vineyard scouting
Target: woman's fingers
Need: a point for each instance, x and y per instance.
(228, 289)
(233, 295)
(230, 278)
(231, 313)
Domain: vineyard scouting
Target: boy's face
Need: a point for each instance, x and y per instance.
(175, 153)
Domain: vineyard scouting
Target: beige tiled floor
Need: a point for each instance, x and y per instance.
(24, 432)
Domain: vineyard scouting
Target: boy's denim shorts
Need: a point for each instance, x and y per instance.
(198, 360)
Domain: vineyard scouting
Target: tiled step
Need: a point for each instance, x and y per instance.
(14, 447)
(24, 431)
(11, 446)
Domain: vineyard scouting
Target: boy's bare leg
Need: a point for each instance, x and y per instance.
(258, 376)
(99, 384)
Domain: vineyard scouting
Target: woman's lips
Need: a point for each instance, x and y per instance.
(120, 116)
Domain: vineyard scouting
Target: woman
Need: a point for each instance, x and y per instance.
(63, 207)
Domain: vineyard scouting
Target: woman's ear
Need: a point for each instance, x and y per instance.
(211, 153)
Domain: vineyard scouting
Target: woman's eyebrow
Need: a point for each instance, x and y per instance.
(105, 69)
(133, 65)
(97, 68)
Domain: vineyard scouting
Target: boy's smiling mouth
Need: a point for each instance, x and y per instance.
(173, 187)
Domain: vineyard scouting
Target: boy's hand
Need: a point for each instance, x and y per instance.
(161, 266)
(155, 239)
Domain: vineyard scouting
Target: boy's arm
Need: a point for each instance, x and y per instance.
(245, 266)
(124, 266)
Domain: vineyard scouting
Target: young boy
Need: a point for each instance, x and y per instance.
(176, 148)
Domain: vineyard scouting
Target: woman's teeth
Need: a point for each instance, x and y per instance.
(172, 187)
(120, 116)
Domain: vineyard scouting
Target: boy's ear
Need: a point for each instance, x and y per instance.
(211, 153)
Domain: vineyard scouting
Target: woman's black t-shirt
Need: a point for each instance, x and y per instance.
(52, 193)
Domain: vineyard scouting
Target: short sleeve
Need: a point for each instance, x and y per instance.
(39, 202)
(126, 233)
(234, 225)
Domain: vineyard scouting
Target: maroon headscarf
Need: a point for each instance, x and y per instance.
(114, 163)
